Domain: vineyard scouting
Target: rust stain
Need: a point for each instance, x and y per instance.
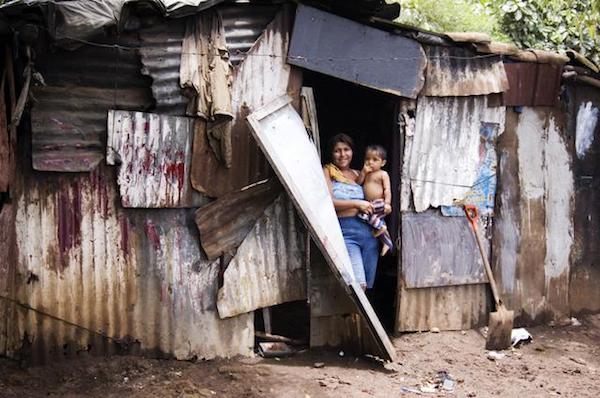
(68, 205)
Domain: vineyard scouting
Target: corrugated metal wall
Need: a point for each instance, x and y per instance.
(135, 276)
(69, 114)
(92, 276)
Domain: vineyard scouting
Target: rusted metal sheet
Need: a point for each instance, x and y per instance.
(243, 24)
(160, 52)
(532, 84)
(257, 80)
(583, 119)
(5, 148)
(225, 223)
(69, 115)
(336, 46)
(446, 308)
(7, 278)
(457, 71)
(154, 155)
(280, 132)
(444, 152)
(439, 251)
(533, 235)
(269, 267)
(132, 281)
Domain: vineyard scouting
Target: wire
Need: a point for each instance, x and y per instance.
(30, 308)
(456, 185)
(238, 52)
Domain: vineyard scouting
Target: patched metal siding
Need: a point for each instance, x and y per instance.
(69, 114)
(456, 71)
(154, 154)
(269, 266)
(160, 51)
(442, 155)
(439, 251)
(136, 277)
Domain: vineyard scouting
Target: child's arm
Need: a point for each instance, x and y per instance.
(387, 192)
(362, 175)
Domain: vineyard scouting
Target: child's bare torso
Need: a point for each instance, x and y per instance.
(373, 185)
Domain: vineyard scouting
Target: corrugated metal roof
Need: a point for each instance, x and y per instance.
(446, 308)
(457, 71)
(243, 24)
(138, 277)
(439, 251)
(269, 267)
(69, 114)
(154, 153)
(160, 52)
(257, 80)
(443, 156)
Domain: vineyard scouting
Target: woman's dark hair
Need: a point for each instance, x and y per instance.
(336, 139)
(379, 150)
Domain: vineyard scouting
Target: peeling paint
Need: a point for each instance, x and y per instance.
(587, 118)
(559, 194)
(530, 133)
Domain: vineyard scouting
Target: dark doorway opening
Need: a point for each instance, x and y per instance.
(369, 117)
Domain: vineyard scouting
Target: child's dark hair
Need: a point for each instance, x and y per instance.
(336, 139)
(379, 149)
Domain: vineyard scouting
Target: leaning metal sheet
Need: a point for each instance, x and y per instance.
(280, 132)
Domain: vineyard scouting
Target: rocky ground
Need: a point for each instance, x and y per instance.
(560, 361)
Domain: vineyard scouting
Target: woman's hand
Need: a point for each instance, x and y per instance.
(364, 206)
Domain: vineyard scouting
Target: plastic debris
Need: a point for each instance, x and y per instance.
(575, 321)
(495, 355)
(319, 365)
(519, 336)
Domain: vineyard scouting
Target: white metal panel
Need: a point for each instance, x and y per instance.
(280, 132)
(155, 154)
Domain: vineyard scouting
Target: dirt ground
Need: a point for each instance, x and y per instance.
(561, 361)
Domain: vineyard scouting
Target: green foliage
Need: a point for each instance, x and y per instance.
(551, 24)
(451, 16)
(541, 24)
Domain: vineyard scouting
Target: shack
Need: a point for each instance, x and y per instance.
(159, 174)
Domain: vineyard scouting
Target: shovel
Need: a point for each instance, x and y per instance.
(501, 321)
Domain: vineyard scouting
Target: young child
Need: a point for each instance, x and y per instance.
(376, 186)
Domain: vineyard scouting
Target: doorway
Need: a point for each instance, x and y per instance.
(369, 117)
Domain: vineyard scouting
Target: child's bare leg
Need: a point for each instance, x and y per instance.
(384, 250)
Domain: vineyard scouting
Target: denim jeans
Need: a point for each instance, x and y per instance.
(363, 249)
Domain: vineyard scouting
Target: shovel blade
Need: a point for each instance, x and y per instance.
(499, 329)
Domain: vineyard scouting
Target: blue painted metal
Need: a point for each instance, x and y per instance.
(483, 192)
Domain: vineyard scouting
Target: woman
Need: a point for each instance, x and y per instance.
(348, 200)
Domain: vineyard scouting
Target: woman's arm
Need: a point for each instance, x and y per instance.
(361, 205)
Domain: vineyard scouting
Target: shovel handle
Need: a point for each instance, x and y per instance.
(473, 217)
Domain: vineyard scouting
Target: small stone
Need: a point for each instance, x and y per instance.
(434, 330)
(322, 383)
(319, 365)
(341, 353)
